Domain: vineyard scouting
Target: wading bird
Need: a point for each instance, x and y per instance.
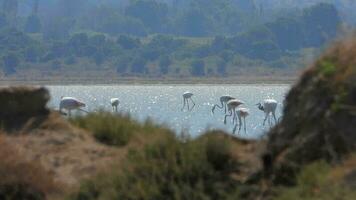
(269, 108)
(69, 104)
(231, 107)
(241, 113)
(223, 101)
(186, 97)
(114, 103)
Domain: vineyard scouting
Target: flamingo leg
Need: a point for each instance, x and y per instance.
(234, 119)
(274, 116)
(269, 120)
(240, 123)
(234, 130)
(213, 109)
(245, 124)
(188, 104)
(183, 104)
(264, 121)
(193, 104)
(69, 113)
(229, 115)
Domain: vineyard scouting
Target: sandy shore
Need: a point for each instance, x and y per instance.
(150, 81)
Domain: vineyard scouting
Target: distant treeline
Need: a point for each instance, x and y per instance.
(143, 39)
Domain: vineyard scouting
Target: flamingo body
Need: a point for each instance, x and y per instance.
(187, 96)
(269, 107)
(69, 104)
(114, 103)
(231, 107)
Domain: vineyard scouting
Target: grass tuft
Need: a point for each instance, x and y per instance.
(115, 129)
(170, 169)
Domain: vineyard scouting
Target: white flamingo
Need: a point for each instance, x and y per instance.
(223, 101)
(114, 103)
(269, 108)
(69, 104)
(241, 113)
(231, 107)
(186, 97)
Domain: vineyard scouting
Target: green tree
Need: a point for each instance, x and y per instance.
(128, 42)
(320, 23)
(10, 8)
(97, 40)
(32, 54)
(11, 61)
(193, 23)
(221, 67)
(138, 65)
(56, 64)
(33, 24)
(152, 13)
(99, 57)
(198, 68)
(164, 64)
(3, 21)
(122, 64)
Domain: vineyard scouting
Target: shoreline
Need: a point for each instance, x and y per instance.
(150, 81)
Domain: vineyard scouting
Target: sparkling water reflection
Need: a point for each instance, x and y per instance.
(163, 103)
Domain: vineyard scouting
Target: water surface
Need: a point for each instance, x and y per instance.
(163, 103)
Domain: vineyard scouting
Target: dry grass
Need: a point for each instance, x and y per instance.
(22, 179)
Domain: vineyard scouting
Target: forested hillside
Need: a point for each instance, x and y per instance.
(161, 37)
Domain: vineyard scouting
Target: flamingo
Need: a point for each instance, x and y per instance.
(70, 103)
(231, 107)
(186, 97)
(241, 113)
(268, 107)
(114, 103)
(223, 101)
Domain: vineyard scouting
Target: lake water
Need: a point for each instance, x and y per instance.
(163, 104)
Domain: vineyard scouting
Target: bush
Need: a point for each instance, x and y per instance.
(314, 183)
(198, 68)
(170, 169)
(116, 130)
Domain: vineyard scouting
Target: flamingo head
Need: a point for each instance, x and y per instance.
(259, 106)
(80, 104)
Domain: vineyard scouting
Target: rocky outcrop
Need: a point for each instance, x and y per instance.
(20, 104)
(319, 117)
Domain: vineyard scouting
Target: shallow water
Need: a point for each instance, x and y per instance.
(163, 104)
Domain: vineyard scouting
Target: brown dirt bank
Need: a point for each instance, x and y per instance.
(319, 118)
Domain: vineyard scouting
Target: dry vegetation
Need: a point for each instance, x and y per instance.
(23, 179)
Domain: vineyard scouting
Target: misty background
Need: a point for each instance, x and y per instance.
(166, 38)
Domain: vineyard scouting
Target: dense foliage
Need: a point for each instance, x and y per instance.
(158, 38)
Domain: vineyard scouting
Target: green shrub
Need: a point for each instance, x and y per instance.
(115, 129)
(170, 169)
(314, 183)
